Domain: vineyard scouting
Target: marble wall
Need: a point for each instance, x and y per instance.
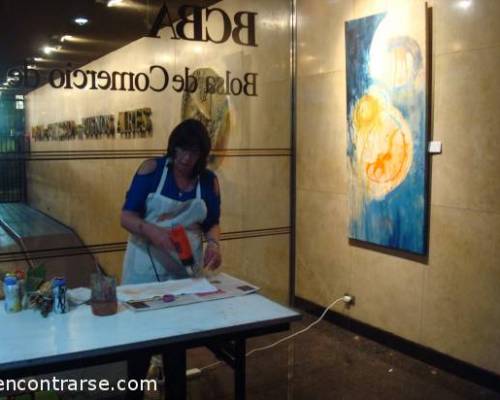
(88, 194)
(448, 302)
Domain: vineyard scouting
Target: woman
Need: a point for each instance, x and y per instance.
(174, 190)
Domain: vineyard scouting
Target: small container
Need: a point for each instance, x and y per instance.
(12, 301)
(60, 305)
(103, 299)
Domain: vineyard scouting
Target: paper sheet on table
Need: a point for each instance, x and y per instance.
(79, 295)
(177, 287)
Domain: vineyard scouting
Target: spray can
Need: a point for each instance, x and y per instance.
(60, 305)
(12, 301)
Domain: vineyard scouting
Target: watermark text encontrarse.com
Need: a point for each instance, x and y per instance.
(77, 385)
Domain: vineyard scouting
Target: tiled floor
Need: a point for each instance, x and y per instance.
(325, 363)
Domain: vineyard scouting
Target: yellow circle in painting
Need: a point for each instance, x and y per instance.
(384, 145)
(366, 112)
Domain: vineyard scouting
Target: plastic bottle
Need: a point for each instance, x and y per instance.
(12, 301)
(23, 296)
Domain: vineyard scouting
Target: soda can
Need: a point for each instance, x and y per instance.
(60, 305)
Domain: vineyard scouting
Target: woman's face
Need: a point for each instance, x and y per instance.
(186, 159)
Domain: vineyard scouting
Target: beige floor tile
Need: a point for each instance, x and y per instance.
(466, 121)
(323, 252)
(461, 317)
(262, 261)
(321, 133)
(320, 37)
(388, 290)
(463, 25)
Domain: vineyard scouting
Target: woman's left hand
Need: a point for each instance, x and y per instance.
(212, 258)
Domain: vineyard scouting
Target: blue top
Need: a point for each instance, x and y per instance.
(143, 185)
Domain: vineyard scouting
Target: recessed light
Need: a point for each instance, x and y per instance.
(464, 4)
(81, 21)
(48, 49)
(112, 3)
(65, 38)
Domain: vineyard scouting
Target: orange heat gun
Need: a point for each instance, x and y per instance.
(179, 239)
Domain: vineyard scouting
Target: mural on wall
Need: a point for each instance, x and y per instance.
(386, 138)
(210, 105)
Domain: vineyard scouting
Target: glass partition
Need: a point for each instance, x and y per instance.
(88, 94)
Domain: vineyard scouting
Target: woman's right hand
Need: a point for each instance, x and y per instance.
(160, 237)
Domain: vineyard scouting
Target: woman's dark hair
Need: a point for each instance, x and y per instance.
(191, 134)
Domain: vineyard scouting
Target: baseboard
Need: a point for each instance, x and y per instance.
(442, 361)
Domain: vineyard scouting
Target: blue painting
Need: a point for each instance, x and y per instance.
(387, 122)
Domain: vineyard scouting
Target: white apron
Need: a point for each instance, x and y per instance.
(142, 258)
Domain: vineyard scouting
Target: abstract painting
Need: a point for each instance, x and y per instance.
(387, 128)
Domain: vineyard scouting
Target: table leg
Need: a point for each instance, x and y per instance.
(137, 368)
(174, 364)
(239, 369)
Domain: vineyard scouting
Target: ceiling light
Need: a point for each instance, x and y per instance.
(66, 37)
(50, 49)
(112, 3)
(464, 4)
(81, 21)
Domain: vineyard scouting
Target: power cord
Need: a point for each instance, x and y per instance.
(153, 263)
(346, 299)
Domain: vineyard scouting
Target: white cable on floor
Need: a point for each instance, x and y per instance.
(285, 338)
(213, 365)
(296, 333)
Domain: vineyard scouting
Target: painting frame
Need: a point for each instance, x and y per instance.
(388, 128)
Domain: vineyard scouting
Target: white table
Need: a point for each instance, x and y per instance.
(31, 344)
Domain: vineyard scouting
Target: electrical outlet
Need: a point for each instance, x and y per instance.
(349, 299)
